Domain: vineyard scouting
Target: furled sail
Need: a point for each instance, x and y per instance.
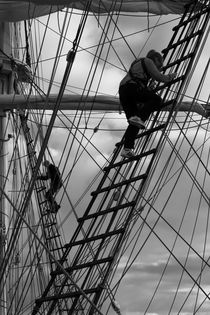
(81, 102)
(12, 11)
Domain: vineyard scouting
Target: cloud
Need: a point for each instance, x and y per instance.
(143, 278)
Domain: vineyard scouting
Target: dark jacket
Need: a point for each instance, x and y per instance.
(54, 175)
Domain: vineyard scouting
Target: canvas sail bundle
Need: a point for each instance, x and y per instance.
(79, 102)
(12, 11)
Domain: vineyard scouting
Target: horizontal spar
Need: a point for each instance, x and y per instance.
(78, 102)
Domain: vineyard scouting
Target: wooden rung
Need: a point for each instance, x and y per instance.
(151, 130)
(48, 225)
(39, 189)
(190, 19)
(165, 85)
(180, 42)
(134, 158)
(47, 213)
(103, 212)
(52, 237)
(125, 182)
(85, 265)
(67, 295)
(57, 249)
(95, 238)
(176, 62)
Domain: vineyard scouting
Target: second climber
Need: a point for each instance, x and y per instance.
(52, 174)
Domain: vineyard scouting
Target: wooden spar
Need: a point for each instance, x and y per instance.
(78, 102)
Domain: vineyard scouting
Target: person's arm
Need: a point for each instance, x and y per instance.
(156, 74)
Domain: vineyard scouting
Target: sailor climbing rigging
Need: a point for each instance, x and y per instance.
(137, 98)
(55, 184)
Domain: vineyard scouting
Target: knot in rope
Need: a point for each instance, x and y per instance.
(95, 129)
(70, 56)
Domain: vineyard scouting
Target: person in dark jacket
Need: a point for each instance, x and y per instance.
(137, 99)
(54, 176)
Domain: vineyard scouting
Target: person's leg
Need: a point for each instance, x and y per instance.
(55, 189)
(128, 99)
(130, 135)
(151, 102)
(49, 196)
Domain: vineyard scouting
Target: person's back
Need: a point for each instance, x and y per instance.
(144, 69)
(135, 73)
(54, 175)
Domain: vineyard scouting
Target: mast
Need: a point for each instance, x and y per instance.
(5, 88)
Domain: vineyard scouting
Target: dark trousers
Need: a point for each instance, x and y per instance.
(51, 192)
(130, 98)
